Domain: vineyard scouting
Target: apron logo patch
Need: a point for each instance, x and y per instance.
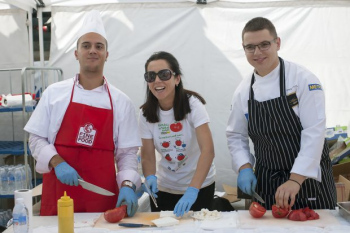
(86, 135)
(292, 100)
(314, 87)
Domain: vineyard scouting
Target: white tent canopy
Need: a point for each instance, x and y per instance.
(206, 39)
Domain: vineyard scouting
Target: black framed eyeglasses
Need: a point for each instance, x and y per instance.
(263, 46)
(163, 75)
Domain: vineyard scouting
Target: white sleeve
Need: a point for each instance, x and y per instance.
(237, 135)
(42, 152)
(126, 159)
(127, 134)
(39, 121)
(199, 114)
(313, 119)
(145, 132)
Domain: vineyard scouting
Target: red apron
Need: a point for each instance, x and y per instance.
(85, 142)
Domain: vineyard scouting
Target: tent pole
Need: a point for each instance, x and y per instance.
(30, 31)
(41, 35)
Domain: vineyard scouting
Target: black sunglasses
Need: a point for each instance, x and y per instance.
(163, 75)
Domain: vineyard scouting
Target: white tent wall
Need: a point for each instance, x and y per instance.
(14, 54)
(206, 39)
(13, 38)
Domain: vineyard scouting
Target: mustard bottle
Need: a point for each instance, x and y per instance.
(65, 214)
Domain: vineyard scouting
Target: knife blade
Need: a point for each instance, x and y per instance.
(94, 188)
(258, 197)
(135, 225)
(150, 193)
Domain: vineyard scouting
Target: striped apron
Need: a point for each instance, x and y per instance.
(275, 130)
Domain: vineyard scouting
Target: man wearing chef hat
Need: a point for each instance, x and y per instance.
(80, 127)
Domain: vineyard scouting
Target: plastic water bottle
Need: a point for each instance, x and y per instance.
(20, 217)
(29, 177)
(11, 180)
(18, 178)
(3, 180)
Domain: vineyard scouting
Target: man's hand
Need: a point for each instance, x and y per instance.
(247, 181)
(285, 194)
(186, 201)
(127, 195)
(66, 174)
(152, 184)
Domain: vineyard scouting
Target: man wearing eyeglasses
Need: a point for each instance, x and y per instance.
(81, 127)
(281, 108)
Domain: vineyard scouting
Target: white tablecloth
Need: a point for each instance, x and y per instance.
(84, 222)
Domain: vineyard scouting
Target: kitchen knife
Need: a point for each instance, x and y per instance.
(258, 197)
(94, 188)
(135, 225)
(150, 193)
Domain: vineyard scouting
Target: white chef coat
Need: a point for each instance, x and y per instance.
(46, 120)
(310, 110)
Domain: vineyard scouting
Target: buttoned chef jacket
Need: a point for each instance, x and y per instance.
(310, 109)
(46, 120)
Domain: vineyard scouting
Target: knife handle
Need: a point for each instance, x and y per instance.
(130, 225)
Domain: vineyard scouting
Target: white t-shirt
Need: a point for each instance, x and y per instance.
(48, 115)
(177, 144)
(310, 109)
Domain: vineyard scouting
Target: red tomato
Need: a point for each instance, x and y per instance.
(279, 212)
(256, 210)
(116, 214)
(297, 215)
(310, 214)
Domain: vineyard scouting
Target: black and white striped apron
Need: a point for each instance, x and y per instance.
(275, 130)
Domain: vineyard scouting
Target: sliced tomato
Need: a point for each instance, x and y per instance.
(279, 212)
(297, 215)
(125, 209)
(310, 214)
(256, 210)
(116, 214)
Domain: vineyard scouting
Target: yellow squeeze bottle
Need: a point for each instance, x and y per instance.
(65, 214)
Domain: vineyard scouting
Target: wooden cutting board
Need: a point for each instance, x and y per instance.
(245, 220)
(139, 217)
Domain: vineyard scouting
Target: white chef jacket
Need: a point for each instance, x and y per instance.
(46, 120)
(310, 110)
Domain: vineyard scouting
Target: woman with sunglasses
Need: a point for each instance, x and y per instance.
(174, 122)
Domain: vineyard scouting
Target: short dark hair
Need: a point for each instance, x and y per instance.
(259, 23)
(181, 103)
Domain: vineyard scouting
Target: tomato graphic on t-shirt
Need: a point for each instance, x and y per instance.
(178, 142)
(165, 144)
(180, 156)
(167, 157)
(176, 127)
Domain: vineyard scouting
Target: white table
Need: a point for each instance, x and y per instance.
(84, 223)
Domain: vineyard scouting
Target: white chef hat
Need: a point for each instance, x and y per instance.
(92, 23)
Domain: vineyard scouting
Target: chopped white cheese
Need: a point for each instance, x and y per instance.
(165, 222)
(206, 214)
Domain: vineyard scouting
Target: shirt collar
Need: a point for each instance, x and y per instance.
(101, 88)
(273, 73)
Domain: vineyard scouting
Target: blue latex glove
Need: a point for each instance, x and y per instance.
(186, 201)
(152, 184)
(66, 174)
(140, 191)
(127, 195)
(247, 181)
